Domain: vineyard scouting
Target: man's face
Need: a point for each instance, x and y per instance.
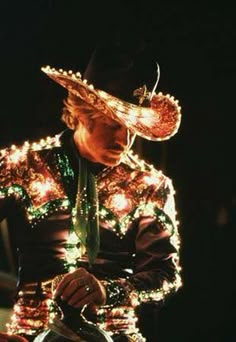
(103, 140)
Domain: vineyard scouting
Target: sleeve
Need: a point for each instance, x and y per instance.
(156, 261)
(5, 184)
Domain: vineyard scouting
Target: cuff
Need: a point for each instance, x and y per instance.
(119, 292)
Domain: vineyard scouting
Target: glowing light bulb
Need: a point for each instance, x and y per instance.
(151, 179)
(41, 187)
(16, 156)
(120, 202)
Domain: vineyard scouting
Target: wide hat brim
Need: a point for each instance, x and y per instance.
(158, 122)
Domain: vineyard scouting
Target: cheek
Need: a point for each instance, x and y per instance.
(100, 143)
(106, 138)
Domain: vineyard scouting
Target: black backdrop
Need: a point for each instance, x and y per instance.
(194, 44)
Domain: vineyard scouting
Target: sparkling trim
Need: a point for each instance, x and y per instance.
(34, 215)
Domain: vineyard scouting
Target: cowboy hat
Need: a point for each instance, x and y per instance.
(105, 86)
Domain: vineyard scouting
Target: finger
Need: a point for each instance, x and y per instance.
(84, 293)
(70, 289)
(80, 273)
(81, 294)
(62, 285)
(88, 299)
(70, 286)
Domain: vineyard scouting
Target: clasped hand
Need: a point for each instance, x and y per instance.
(79, 288)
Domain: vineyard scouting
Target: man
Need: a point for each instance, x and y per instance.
(96, 227)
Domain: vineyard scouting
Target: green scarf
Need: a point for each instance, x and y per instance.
(86, 224)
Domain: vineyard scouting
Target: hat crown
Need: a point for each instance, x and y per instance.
(119, 71)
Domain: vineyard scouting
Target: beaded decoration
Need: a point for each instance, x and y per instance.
(160, 121)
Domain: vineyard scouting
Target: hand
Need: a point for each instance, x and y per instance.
(80, 288)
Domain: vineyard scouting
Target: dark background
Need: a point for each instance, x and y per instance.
(194, 43)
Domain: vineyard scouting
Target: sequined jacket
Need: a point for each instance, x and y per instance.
(138, 228)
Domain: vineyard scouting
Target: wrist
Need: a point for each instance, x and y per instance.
(118, 292)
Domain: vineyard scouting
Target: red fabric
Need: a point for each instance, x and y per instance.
(11, 338)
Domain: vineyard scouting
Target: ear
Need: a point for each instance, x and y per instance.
(90, 124)
(86, 121)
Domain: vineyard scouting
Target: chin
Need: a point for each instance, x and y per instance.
(111, 161)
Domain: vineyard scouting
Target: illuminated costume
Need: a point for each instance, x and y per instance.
(138, 256)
